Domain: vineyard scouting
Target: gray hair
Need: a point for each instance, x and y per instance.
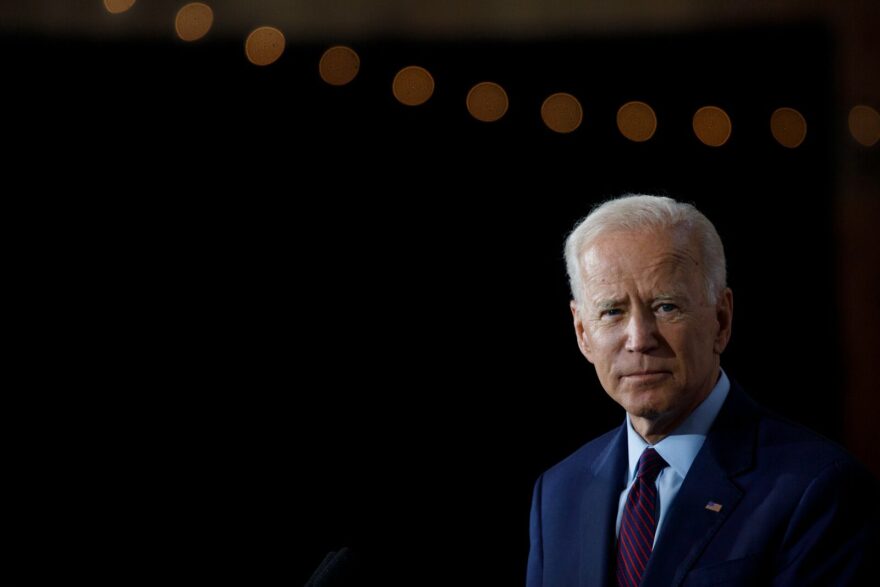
(644, 212)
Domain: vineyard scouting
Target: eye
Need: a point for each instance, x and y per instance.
(666, 308)
(610, 313)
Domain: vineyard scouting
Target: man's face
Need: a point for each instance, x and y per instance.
(647, 326)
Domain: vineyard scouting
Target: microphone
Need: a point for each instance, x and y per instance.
(336, 570)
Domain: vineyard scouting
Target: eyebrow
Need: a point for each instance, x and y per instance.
(611, 303)
(674, 295)
(608, 303)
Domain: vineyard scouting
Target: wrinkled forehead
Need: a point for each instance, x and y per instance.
(669, 259)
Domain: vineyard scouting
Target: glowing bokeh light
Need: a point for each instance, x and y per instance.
(864, 125)
(193, 21)
(788, 127)
(264, 45)
(487, 101)
(712, 126)
(413, 85)
(339, 65)
(118, 6)
(562, 113)
(636, 121)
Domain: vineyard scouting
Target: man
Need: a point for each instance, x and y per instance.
(699, 486)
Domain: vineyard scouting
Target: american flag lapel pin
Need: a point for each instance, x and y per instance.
(713, 507)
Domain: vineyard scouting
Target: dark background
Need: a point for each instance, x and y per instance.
(257, 318)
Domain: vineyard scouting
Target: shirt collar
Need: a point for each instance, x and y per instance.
(680, 448)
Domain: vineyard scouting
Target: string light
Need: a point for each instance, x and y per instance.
(413, 85)
(193, 21)
(339, 65)
(264, 45)
(118, 6)
(636, 121)
(487, 101)
(562, 113)
(864, 125)
(788, 127)
(712, 126)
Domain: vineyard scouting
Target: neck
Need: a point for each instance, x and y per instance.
(653, 431)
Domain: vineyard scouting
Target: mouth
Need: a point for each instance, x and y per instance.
(646, 376)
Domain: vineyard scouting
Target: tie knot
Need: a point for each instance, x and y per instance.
(650, 465)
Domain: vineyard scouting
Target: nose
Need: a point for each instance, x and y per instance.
(641, 332)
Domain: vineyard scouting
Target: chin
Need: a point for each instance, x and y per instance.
(649, 408)
(646, 413)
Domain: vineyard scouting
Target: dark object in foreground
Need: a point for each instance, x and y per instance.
(337, 569)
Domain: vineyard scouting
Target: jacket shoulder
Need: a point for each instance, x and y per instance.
(581, 460)
(783, 445)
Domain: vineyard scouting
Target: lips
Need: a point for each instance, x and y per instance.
(646, 375)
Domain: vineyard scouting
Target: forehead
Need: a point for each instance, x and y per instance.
(664, 259)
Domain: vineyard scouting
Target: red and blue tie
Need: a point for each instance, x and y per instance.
(636, 538)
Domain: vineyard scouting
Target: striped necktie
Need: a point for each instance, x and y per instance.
(636, 538)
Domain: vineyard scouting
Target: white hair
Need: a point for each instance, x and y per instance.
(635, 212)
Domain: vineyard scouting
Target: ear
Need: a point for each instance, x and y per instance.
(580, 332)
(724, 316)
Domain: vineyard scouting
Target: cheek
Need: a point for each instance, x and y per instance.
(602, 357)
(697, 349)
(602, 340)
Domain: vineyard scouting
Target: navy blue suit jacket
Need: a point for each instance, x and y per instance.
(796, 509)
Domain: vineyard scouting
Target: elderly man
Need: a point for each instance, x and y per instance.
(699, 486)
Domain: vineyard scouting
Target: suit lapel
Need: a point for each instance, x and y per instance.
(607, 478)
(689, 526)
